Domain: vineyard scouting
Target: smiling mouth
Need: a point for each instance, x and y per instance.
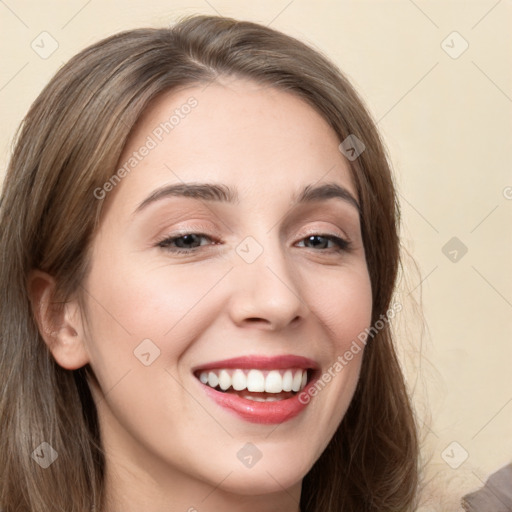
(257, 385)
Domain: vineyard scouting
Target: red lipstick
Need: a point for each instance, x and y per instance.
(261, 363)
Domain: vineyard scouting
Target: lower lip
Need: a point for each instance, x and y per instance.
(260, 412)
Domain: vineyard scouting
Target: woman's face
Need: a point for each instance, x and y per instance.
(222, 260)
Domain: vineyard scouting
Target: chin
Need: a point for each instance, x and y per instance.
(271, 473)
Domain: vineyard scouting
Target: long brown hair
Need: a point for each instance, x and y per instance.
(69, 144)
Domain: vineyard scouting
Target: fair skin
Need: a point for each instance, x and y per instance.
(169, 446)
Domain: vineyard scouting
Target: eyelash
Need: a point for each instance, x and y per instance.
(342, 245)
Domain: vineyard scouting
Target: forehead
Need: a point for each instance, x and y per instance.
(257, 138)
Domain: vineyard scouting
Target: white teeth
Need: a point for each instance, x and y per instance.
(304, 380)
(274, 382)
(287, 380)
(297, 381)
(213, 380)
(224, 380)
(256, 381)
(239, 380)
(261, 399)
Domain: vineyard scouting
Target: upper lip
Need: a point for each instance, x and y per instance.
(261, 363)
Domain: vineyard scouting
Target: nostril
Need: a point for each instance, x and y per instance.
(258, 322)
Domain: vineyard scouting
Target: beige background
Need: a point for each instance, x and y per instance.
(448, 124)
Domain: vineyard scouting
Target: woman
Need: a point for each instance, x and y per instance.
(199, 234)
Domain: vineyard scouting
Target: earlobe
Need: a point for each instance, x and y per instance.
(59, 323)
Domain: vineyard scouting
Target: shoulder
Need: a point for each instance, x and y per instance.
(494, 496)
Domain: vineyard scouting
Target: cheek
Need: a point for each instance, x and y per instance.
(343, 307)
(129, 304)
(342, 302)
(146, 302)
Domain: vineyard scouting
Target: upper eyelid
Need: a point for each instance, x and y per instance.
(202, 229)
(298, 214)
(327, 232)
(204, 233)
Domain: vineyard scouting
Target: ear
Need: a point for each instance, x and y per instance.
(59, 323)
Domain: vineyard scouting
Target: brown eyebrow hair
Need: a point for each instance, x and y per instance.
(223, 193)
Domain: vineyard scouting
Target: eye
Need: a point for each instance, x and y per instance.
(321, 241)
(187, 243)
(184, 243)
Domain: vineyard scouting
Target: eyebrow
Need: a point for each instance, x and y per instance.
(222, 193)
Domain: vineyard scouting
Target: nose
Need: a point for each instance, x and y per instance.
(267, 292)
